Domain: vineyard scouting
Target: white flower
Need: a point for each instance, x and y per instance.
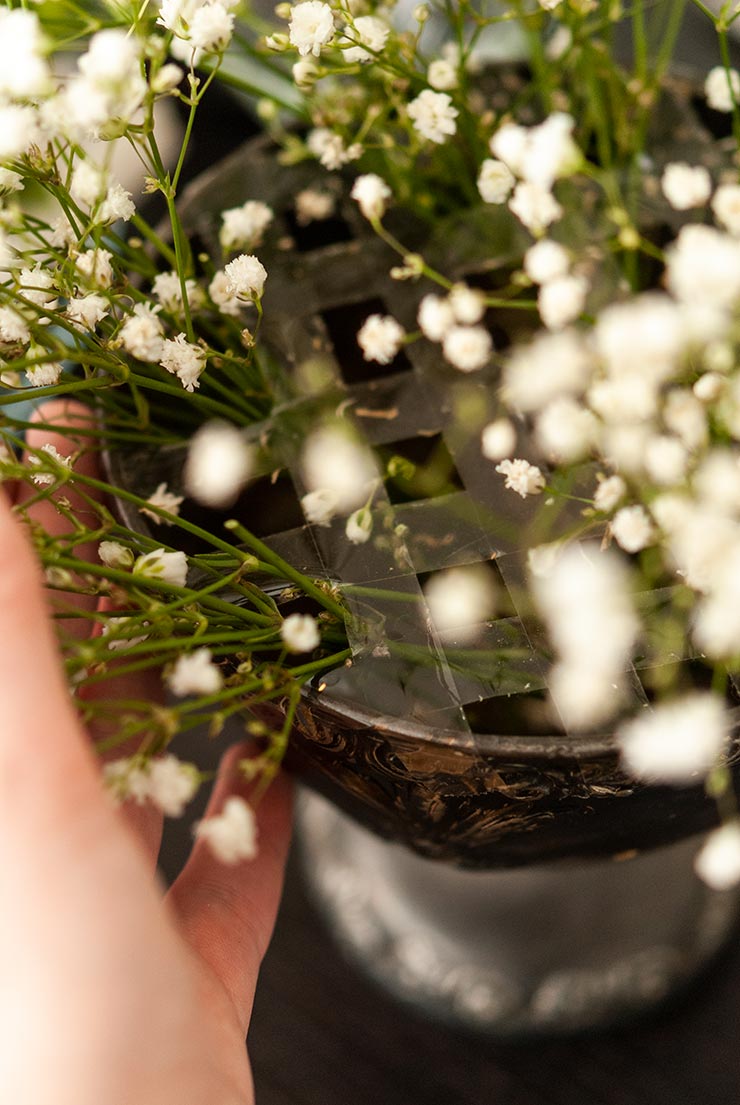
(642, 336)
(93, 266)
(566, 430)
(704, 264)
(305, 73)
(37, 286)
(336, 462)
(609, 492)
(124, 778)
(311, 27)
(117, 204)
(435, 317)
(18, 130)
(495, 181)
(534, 206)
(219, 464)
(313, 206)
(319, 506)
(300, 633)
(13, 326)
(686, 416)
(142, 334)
(232, 835)
(726, 207)
(119, 630)
(44, 375)
(522, 477)
(211, 28)
(184, 360)
(468, 304)
(433, 115)
(468, 348)
(666, 459)
(460, 600)
(170, 567)
(722, 88)
(49, 474)
(371, 193)
(550, 151)
(246, 275)
(676, 741)
(686, 186)
(167, 79)
(709, 387)
(632, 528)
(167, 288)
(87, 311)
(24, 73)
(442, 75)
(359, 526)
(227, 302)
(561, 300)
(115, 555)
(165, 500)
(546, 260)
(509, 143)
(244, 227)
(330, 149)
(498, 439)
(718, 862)
(551, 365)
(380, 337)
(87, 185)
(195, 673)
(170, 784)
(372, 34)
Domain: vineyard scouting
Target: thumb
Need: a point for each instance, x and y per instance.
(46, 765)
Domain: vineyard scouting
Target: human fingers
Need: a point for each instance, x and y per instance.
(71, 421)
(46, 767)
(227, 913)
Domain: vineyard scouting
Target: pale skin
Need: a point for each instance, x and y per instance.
(112, 991)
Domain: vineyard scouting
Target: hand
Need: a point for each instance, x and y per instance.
(112, 993)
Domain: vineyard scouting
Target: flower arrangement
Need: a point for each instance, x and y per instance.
(606, 234)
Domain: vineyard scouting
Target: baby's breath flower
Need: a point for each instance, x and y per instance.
(442, 76)
(195, 673)
(300, 633)
(498, 439)
(246, 275)
(334, 461)
(609, 492)
(435, 317)
(686, 186)
(666, 460)
(117, 204)
(550, 365)
(211, 27)
(24, 73)
(495, 181)
(566, 430)
(359, 526)
(119, 630)
(13, 326)
(44, 375)
(546, 260)
(87, 185)
(142, 334)
(460, 600)
(371, 193)
(165, 500)
(632, 528)
(675, 742)
(722, 88)
(468, 348)
(219, 464)
(19, 128)
(170, 567)
(718, 862)
(522, 477)
(561, 300)
(87, 311)
(313, 206)
(433, 115)
(330, 148)
(305, 74)
(311, 27)
(115, 555)
(467, 304)
(704, 264)
(509, 144)
(232, 834)
(94, 267)
(372, 34)
(37, 286)
(534, 206)
(48, 473)
(170, 784)
(244, 227)
(319, 506)
(167, 288)
(726, 207)
(184, 360)
(380, 337)
(222, 297)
